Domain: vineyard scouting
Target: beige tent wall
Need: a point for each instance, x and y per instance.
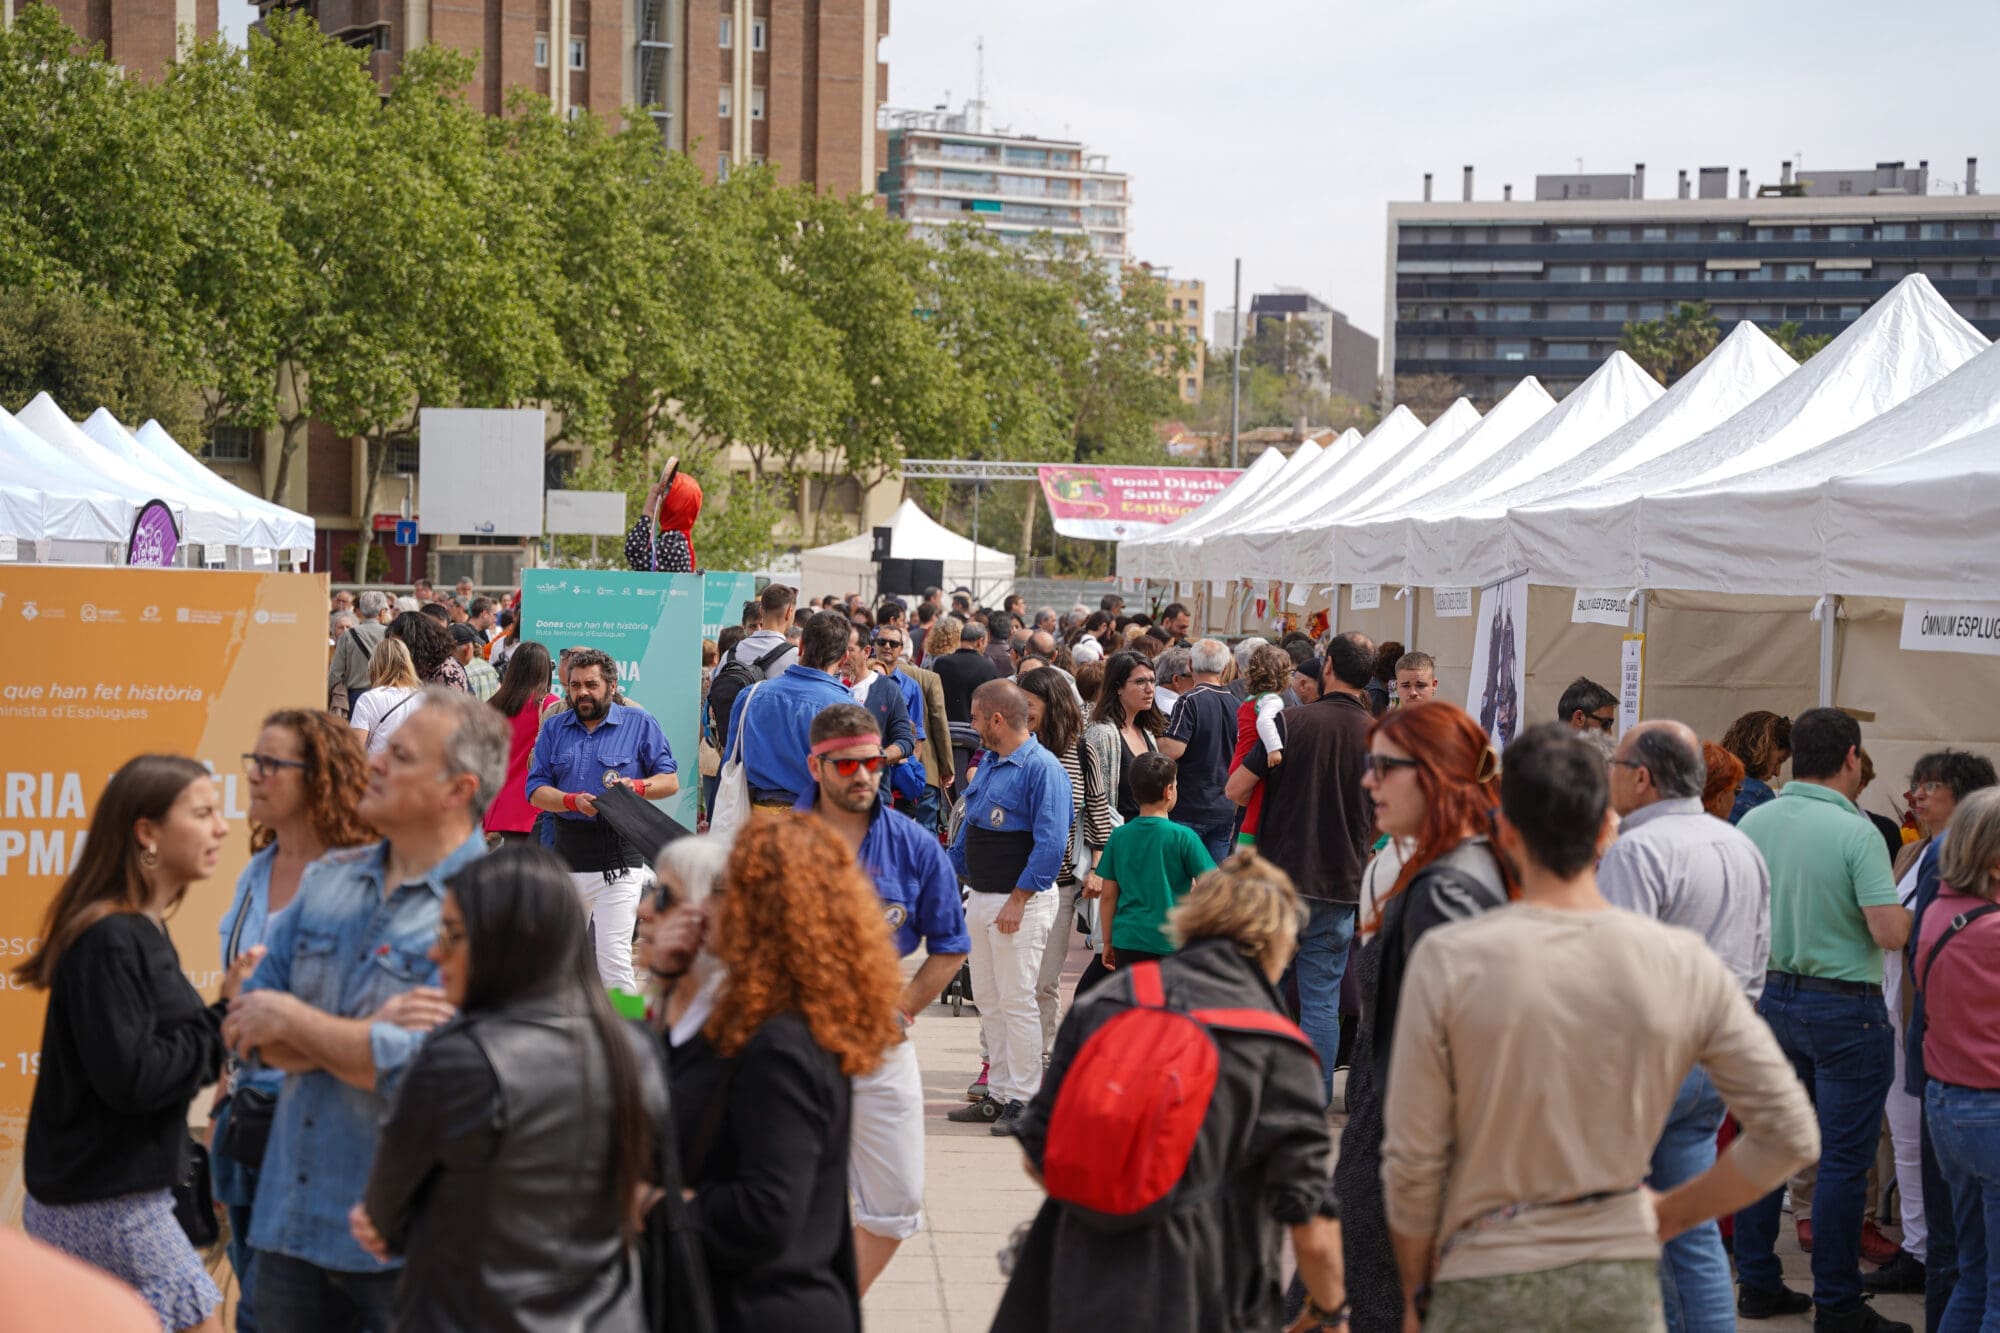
(1383, 623)
(1710, 658)
(1559, 652)
(1449, 641)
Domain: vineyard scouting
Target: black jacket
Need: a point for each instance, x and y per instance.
(771, 1187)
(1261, 1162)
(961, 672)
(494, 1177)
(1462, 883)
(126, 1045)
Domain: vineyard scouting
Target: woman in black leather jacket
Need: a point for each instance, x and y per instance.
(508, 1172)
(1435, 780)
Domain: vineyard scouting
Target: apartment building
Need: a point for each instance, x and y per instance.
(145, 36)
(942, 167)
(1488, 291)
(1340, 358)
(1187, 298)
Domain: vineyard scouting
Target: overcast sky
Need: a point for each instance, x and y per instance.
(1278, 130)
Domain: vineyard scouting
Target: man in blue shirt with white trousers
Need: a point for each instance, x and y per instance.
(1008, 849)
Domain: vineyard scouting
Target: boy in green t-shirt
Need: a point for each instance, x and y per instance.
(1147, 867)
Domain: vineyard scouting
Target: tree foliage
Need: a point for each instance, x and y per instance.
(1670, 347)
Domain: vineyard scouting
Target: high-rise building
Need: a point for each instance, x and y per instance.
(1339, 357)
(1186, 299)
(942, 167)
(1488, 291)
(145, 36)
(796, 83)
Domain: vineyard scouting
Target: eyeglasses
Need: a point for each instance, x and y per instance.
(881, 642)
(1633, 764)
(846, 767)
(1146, 681)
(450, 937)
(1382, 765)
(1603, 723)
(264, 765)
(1928, 788)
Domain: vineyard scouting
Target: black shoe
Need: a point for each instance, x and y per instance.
(1010, 1119)
(1857, 1318)
(982, 1112)
(1905, 1272)
(1757, 1303)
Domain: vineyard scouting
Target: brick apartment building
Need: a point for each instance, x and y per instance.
(144, 36)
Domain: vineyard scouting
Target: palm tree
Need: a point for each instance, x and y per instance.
(1669, 348)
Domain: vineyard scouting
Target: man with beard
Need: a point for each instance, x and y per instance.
(920, 900)
(593, 745)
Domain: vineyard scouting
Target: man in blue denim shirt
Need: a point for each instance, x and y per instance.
(774, 716)
(1018, 811)
(342, 1001)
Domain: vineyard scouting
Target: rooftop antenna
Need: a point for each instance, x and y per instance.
(979, 97)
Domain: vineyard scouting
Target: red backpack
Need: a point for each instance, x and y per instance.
(1134, 1100)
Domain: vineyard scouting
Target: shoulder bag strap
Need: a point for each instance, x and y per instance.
(737, 748)
(1958, 923)
(764, 662)
(1147, 990)
(236, 930)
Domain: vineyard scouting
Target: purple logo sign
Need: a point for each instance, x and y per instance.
(154, 537)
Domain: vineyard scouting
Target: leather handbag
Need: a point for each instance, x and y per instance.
(246, 1133)
(194, 1198)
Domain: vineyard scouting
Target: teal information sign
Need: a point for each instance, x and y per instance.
(651, 624)
(722, 598)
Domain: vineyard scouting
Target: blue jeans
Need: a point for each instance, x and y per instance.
(1221, 841)
(1694, 1272)
(1941, 1262)
(1318, 968)
(927, 810)
(304, 1298)
(1965, 1127)
(1841, 1048)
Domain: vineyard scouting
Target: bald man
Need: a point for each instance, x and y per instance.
(1675, 862)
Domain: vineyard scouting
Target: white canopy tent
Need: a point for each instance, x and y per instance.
(262, 523)
(1181, 556)
(1267, 545)
(76, 506)
(201, 520)
(1139, 557)
(849, 566)
(1380, 548)
(1904, 343)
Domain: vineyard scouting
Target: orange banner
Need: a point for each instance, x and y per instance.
(102, 664)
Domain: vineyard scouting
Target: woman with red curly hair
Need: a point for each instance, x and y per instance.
(761, 1093)
(1435, 780)
(305, 777)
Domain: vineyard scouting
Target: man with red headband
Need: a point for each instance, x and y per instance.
(674, 503)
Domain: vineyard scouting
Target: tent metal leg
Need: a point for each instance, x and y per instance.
(1829, 616)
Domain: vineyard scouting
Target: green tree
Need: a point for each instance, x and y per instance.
(1428, 395)
(1669, 348)
(1799, 346)
(87, 356)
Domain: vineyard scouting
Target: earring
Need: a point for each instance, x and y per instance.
(148, 857)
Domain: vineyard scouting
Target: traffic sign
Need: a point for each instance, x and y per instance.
(406, 532)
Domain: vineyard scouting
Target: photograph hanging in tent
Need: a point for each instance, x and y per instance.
(1499, 660)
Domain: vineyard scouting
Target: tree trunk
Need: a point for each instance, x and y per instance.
(289, 432)
(377, 455)
(1028, 526)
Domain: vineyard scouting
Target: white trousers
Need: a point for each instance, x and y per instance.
(1005, 971)
(611, 905)
(1905, 1121)
(885, 1146)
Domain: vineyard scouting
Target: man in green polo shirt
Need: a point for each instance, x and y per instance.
(1833, 911)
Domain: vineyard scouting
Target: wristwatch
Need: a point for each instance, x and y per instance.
(1324, 1317)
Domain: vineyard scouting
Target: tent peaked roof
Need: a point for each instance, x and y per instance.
(1245, 489)
(77, 504)
(201, 519)
(1426, 467)
(1180, 556)
(1422, 541)
(849, 566)
(261, 522)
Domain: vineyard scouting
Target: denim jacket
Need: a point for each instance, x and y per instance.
(344, 947)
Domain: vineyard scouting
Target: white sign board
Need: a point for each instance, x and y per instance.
(1595, 606)
(1952, 627)
(1364, 596)
(10, 548)
(1297, 595)
(260, 555)
(587, 513)
(480, 472)
(215, 554)
(1631, 681)
(1451, 603)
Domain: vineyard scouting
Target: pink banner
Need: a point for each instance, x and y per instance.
(1109, 503)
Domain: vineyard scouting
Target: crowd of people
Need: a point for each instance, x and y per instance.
(1636, 991)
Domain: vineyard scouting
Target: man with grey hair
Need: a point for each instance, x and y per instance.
(1201, 738)
(1675, 862)
(1045, 620)
(1174, 672)
(347, 670)
(343, 998)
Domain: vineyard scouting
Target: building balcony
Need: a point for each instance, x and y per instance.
(1634, 252)
(1465, 287)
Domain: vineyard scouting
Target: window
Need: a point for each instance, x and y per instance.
(1193, 307)
(1617, 310)
(1432, 312)
(1617, 233)
(728, 34)
(1652, 233)
(1966, 231)
(722, 101)
(1511, 351)
(1798, 312)
(1764, 234)
(1686, 273)
(1725, 233)
(1842, 275)
(541, 50)
(1576, 312)
(1802, 233)
(1843, 233)
(231, 444)
(1569, 273)
(1652, 272)
(576, 49)
(1650, 312)
(756, 104)
(1930, 231)
(1849, 312)
(1474, 313)
(1798, 273)
(757, 30)
(1569, 351)
(1723, 275)
(1573, 234)
(722, 166)
(1618, 273)
(1511, 312)
(1687, 233)
(1892, 231)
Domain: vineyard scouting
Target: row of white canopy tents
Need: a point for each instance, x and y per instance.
(71, 493)
(1728, 512)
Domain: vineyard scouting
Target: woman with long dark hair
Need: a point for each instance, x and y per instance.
(510, 1170)
(1435, 781)
(762, 1092)
(305, 777)
(1057, 721)
(523, 694)
(127, 1042)
(430, 650)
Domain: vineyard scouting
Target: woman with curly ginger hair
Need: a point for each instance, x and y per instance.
(761, 1093)
(305, 777)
